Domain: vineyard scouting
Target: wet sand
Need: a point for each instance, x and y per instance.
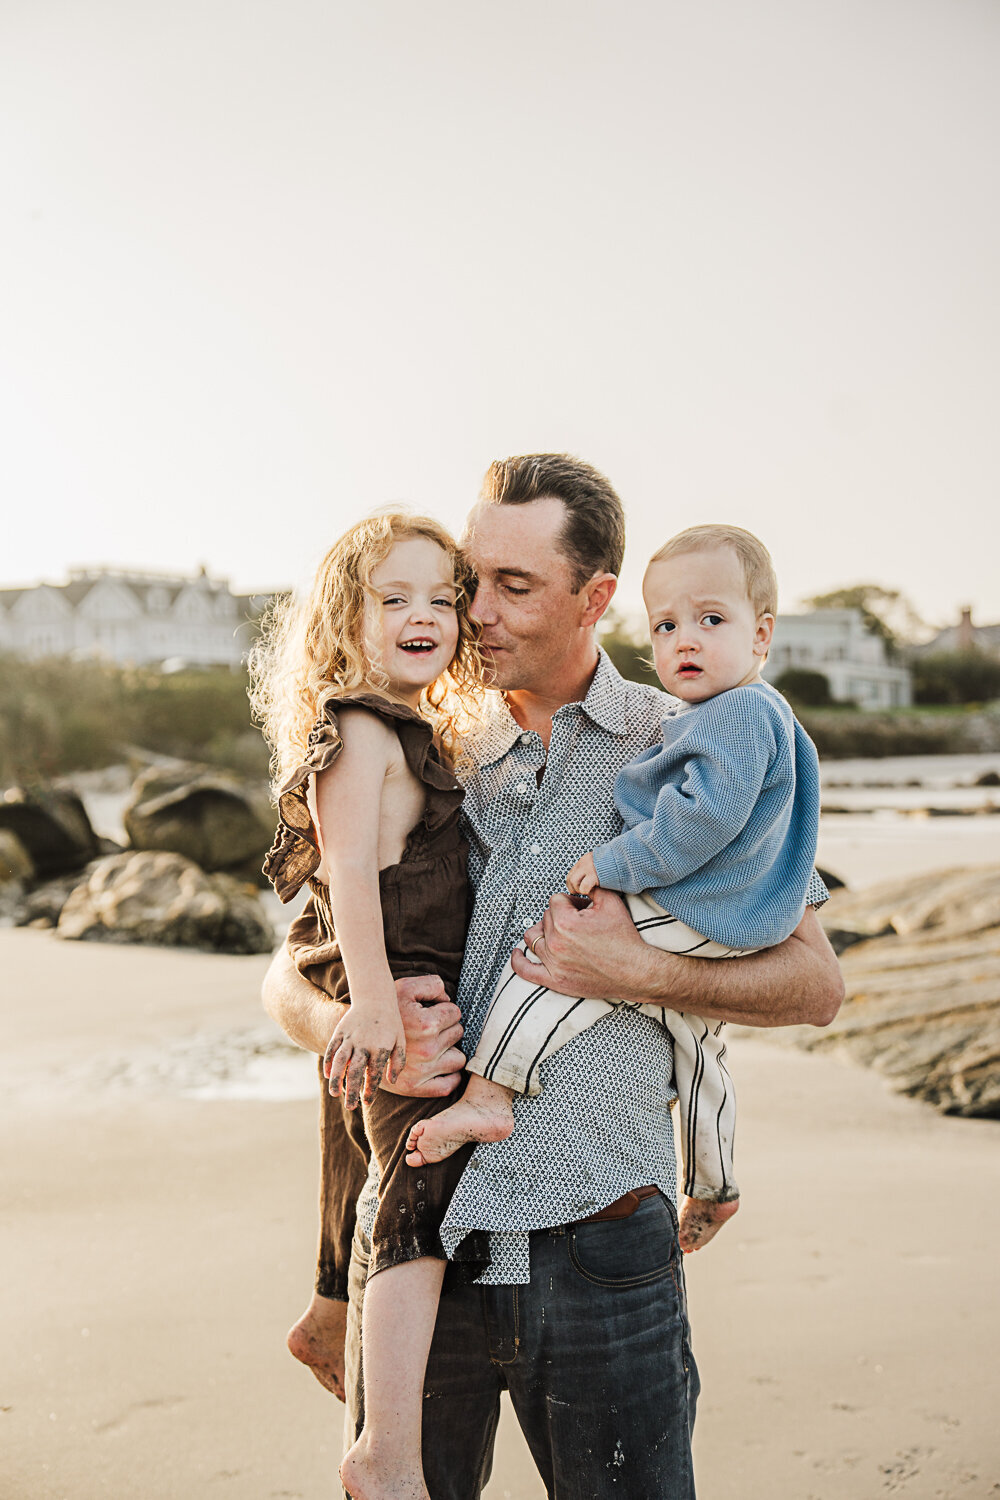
(159, 1229)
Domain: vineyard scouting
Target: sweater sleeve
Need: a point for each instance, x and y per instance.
(703, 809)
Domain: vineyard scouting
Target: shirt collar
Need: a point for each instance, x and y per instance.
(604, 705)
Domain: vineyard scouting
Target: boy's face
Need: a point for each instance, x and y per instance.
(706, 636)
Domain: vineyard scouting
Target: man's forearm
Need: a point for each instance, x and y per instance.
(796, 983)
(304, 1013)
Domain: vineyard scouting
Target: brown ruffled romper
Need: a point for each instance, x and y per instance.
(424, 901)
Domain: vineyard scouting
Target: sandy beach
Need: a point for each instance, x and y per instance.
(159, 1230)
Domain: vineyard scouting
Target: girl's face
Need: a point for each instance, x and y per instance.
(413, 613)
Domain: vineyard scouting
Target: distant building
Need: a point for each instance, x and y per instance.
(128, 616)
(851, 658)
(964, 637)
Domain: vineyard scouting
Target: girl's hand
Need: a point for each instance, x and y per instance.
(582, 879)
(364, 1048)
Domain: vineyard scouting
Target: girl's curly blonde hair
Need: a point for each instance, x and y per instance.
(313, 650)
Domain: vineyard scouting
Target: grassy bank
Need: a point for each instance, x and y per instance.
(843, 734)
(58, 715)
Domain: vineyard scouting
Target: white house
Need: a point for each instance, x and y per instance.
(129, 616)
(851, 658)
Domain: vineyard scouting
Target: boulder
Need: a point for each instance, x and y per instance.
(42, 906)
(210, 818)
(923, 987)
(52, 825)
(16, 870)
(163, 898)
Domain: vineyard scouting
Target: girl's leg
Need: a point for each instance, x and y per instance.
(483, 1113)
(400, 1310)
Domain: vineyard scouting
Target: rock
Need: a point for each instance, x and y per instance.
(52, 825)
(15, 861)
(923, 996)
(831, 881)
(163, 898)
(988, 778)
(42, 906)
(209, 818)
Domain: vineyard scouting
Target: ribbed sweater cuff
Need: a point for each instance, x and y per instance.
(610, 870)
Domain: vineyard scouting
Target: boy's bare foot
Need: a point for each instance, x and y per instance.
(483, 1113)
(370, 1473)
(701, 1219)
(317, 1340)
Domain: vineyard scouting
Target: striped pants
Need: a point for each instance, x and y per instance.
(528, 1023)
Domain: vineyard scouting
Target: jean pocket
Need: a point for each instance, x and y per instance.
(636, 1251)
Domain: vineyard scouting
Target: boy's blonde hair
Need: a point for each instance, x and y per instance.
(316, 649)
(758, 569)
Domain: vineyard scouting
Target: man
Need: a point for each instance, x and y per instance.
(581, 1314)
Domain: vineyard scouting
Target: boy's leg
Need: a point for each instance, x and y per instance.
(604, 1383)
(462, 1387)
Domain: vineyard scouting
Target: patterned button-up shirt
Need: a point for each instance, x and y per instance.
(601, 1124)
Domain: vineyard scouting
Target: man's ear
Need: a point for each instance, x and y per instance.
(762, 638)
(597, 593)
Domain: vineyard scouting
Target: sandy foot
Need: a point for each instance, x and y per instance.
(700, 1221)
(478, 1116)
(373, 1475)
(317, 1340)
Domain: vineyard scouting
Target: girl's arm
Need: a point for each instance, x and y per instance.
(369, 1038)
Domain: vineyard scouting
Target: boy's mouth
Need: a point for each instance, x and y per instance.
(689, 670)
(419, 646)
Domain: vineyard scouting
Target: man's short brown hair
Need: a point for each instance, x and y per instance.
(593, 538)
(755, 560)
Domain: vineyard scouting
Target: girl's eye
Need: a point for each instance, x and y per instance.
(444, 603)
(665, 626)
(712, 620)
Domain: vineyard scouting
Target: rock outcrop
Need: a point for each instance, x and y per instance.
(210, 818)
(52, 825)
(163, 898)
(921, 963)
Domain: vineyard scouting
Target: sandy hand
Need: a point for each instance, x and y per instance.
(364, 1048)
(700, 1221)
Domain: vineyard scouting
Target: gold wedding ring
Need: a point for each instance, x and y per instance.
(531, 945)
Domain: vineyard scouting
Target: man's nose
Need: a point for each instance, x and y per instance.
(481, 610)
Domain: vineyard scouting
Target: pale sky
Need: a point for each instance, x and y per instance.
(268, 266)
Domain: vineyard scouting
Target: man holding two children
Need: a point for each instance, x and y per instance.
(581, 1313)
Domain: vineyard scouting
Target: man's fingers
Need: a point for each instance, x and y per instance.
(537, 973)
(428, 1020)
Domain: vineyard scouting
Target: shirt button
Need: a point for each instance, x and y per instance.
(526, 739)
(536, 849)
(522, 786)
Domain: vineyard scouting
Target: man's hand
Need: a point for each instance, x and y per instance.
(584, 952)
(598, 954)
(432, 1025)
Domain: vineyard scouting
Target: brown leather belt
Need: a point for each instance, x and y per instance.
(622, 1208)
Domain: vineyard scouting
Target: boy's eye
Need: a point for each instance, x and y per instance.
(711, 619)
(665, 627)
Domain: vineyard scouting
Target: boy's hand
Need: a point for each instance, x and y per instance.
(364, 1048)
(582, 879)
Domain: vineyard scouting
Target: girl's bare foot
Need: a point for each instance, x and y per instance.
(483, 1113)
(373, 1473)
(701, 1219)
(317, 1340)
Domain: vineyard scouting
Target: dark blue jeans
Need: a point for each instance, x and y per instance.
(595, 1353)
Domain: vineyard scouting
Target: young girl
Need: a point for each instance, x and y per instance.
(358, 693)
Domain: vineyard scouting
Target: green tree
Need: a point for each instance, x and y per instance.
(800, 686)
(955, 677)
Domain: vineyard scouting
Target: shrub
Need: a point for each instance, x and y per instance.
(811, 689)
(955, 677)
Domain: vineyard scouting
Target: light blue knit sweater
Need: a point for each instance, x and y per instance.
(721, 820)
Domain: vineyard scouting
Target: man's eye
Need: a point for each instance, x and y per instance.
(665, 627)
(712, 620)
(509, 588)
